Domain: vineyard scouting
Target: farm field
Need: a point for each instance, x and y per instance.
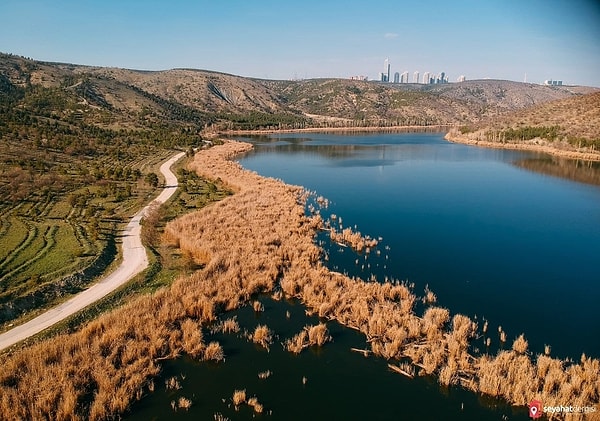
(56, 241)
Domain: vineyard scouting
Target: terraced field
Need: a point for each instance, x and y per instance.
(55, 242)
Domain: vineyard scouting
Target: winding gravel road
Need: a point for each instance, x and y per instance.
(134, 261)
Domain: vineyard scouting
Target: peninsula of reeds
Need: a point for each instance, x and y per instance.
(259, 240)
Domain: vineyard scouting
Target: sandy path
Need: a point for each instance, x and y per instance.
(134, 261)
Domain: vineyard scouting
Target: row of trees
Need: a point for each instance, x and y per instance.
(531, 132)
(261, 121)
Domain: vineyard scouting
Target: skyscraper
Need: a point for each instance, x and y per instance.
(396, 77)
(416, 76)
(404, 77)
(386, 69)
(426, 77)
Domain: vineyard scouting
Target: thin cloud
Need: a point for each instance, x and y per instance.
(390, 35)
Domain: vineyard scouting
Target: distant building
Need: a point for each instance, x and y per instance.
(416, 76)
(404, 77)
(461, 78)
(396, 77)
(386, 71)
(359, 77)
(426, 78)
(553, 82)
(442, 78)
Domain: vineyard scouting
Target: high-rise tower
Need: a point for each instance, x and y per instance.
(386, 70)
(426, 78)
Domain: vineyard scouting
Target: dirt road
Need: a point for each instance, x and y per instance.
(134, 261)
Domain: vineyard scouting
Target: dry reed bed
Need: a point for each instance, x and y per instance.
(259, 240)
(273, 247)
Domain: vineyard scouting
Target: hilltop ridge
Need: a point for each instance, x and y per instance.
(202, 98)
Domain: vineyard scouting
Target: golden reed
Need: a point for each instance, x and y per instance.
(260, 241)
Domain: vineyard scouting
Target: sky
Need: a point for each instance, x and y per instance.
(287, 39)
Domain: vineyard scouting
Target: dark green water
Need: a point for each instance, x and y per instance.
(490, 232)
(340, 384)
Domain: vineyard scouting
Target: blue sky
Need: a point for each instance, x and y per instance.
(291, 39)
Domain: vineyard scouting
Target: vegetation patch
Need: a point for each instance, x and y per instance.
(262, 121)
(568, 127)
(530, 132)
(68, 183)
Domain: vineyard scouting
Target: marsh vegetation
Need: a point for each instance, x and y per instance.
(260, 241)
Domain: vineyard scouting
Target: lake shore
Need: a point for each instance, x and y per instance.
(451, 136)
(465, 139)
(346, 129)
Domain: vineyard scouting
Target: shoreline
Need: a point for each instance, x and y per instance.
(449, 136)
(347, 129)
(585, 156)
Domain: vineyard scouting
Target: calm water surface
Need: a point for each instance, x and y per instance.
(490, 231)
(491, 238)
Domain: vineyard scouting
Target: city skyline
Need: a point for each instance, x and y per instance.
(404, 77)
(277, 40)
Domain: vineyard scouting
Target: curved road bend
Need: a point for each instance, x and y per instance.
(134, 261)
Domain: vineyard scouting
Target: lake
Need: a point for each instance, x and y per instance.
(496, 234)
(490, 237)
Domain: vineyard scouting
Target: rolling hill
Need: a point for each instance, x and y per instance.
(569, 126)
(121, 98)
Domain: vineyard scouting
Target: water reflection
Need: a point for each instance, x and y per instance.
(375, 150)
(576, 170)
(340, 384)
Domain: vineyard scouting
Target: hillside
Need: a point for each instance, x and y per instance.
(373, 103)
(77, 155)
(121, 98)
(78, 145)
(570, 126)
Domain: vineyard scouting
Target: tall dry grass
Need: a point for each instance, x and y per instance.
(435, 342)
(263, 336)
(252, 242)
(311, 335)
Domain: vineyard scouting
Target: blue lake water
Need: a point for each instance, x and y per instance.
(491, 238)
(491, 233)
